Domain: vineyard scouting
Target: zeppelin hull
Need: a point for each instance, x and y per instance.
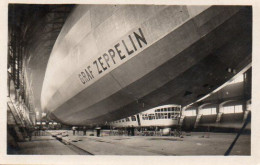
(175, 54)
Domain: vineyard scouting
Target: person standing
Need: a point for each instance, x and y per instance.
(84, 131)
(132, 131)
(74, 130)
(98, 131)
(128, 130)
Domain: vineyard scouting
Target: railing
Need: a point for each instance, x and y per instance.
(16, 114)
(22, 124)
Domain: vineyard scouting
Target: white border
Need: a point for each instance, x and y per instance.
(254, 159)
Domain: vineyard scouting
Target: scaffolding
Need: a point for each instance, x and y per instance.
(28, 25)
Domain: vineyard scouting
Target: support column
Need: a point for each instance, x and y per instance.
(244, 106)
(248, 105)
(197, 110)
(182, 116)
(198, 116)
(219, 112)
(217, 108)
(247, 109)
(183, 111)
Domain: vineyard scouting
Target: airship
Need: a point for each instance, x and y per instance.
(114, 61)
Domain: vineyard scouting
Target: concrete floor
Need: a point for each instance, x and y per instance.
(216, 144)
(44, 145)
(196, 144)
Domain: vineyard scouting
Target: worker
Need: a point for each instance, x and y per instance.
(74, 130)
(84, 131)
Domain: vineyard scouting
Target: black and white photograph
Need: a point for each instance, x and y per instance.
(142, 80)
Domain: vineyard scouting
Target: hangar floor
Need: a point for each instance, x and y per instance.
(194, 143)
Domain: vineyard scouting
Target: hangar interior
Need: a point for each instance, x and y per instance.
(214, 98)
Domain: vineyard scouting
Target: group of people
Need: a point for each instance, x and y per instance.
(74, 129)
(130, 131)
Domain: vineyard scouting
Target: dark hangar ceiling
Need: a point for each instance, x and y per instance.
(32, 32)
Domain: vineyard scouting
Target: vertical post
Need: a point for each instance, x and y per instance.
(183, 110)
(197, 116)
(219, 112)
(197, 110)
(244, 105)
(218, 108)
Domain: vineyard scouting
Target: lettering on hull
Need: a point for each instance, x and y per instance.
(120, 51)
